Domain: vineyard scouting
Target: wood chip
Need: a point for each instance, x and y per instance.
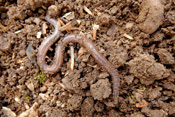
(95, 28)
(44, 27)
(17, 31)
(88, 11)
(62, 85)
(59, 23)
(69, 16)
(128, 36)
(72, 57)
(69, 26)
(3, 28)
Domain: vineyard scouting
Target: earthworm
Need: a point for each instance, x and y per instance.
(44, 47)
(58, 58)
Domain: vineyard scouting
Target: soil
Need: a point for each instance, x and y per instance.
(136, 36)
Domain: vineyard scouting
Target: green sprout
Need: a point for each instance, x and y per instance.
(126, 63)
(140, 86)
(133, 99)
(41, 77)
(28, 98)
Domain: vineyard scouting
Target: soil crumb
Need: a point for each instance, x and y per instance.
(101, 89)
(147, 69)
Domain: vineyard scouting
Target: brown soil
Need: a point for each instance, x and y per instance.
(136, 36)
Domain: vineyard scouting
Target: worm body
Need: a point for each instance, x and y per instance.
(58, 58)
(44, 47)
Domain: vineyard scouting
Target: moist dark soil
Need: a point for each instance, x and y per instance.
(136, 36)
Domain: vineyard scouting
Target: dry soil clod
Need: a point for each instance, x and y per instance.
(151, 15)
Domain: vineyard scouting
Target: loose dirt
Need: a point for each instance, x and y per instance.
(136, 36)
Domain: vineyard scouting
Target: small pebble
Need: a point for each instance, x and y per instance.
(17, 99)
(38, 35)
(30, 52)
(5, 43)
(22, 52)
(114, 9)
(58, 103)
(30, 85)
(37, 21)
(129, 79)
(112, 30)
(105, 19)
(129, 25)
(44, 96)
(63, 105)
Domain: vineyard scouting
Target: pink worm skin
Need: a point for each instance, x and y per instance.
(58, 58)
